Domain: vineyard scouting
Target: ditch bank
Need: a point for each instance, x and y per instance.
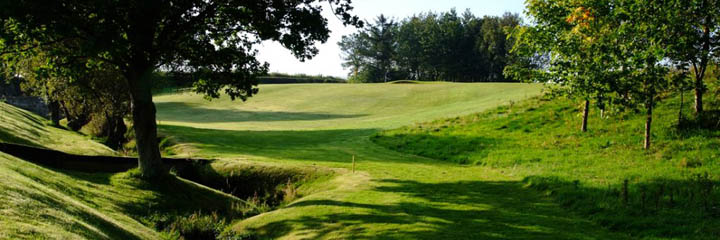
(268, 185)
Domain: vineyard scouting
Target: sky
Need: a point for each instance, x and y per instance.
(328, 61)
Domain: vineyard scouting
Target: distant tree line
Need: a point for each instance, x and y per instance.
(283, 78)
(431, 47)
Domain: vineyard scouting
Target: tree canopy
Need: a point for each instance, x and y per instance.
(212, 40)
(615, 52)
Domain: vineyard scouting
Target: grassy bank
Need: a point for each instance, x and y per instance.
(37, 202)
(672, 190)
(23, 127)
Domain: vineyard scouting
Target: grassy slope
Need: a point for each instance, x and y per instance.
(23, 127)
(393, 195)
(541, 140)
(37, 202)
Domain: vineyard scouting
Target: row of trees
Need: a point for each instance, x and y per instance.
(98, 95)
(430, 46)
(619, 53)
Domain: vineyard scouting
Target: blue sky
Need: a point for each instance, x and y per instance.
(328, 61)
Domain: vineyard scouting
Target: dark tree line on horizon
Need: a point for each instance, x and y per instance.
(431, 47)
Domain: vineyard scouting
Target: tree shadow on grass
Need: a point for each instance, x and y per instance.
(308, 145)
(451, 210)
(156, 202)
(168, 195)
(88, 224)
(336, 145)
(705, 125)
(175, 197)
(657, 208)
(6, 136)
(186, 112)
(92, 226)
(449, 148)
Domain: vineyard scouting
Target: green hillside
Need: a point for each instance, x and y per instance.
(391, 195)
(23, 127)
(337, 106)
(672, 189)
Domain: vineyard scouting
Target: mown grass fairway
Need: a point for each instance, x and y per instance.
(392, 195)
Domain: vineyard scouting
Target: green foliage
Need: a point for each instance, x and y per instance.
(371, 52)
(210, 40)
(97, 100)
(692, 32)
(430, 46)
(199, 226)
(616, 52)
(572, 44)
(205, 45)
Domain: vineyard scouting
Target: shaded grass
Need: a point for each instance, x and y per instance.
(540, 140)
(23, 127)
(491, 211)
(31, 209)
(210, 115)
(40, 202)
(265, 185)
(70, 204)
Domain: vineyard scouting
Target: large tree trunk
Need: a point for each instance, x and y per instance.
(76, 122)
(699, 87)
(54, 108)
(648, 124)
(143, 114)
(115, 131)
(586, 111)
(700, 73)
(682, 102)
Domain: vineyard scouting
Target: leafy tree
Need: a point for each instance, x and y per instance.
(409, 57)
(495, 43)
(613, 50)
(692, 38)
(383, 45)
(213, 40)
(474, 65)
(371, 52)
(99, 95)
(355, 52)
(642, 34)
(579, 41)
